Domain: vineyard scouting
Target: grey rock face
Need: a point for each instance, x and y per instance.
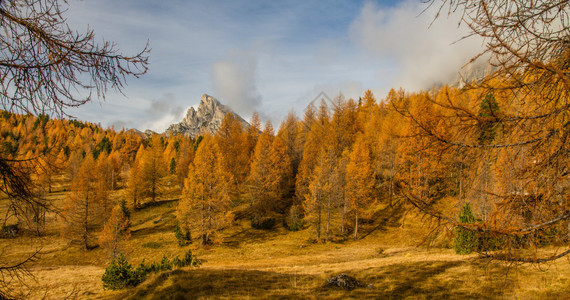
(149, 132)
(207, 119)
(472, 72)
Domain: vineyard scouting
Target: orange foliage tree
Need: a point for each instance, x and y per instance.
(82, 208)
(116, 231)
(205, 196)
(359, 180)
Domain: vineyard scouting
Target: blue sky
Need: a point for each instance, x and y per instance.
(268, 56)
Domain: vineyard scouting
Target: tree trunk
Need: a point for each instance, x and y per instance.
(392, 173)
(135, 204)
(343, 215)
(355, 224)
(85, 223)
(209, 226)
(153, 191)
(203, 221)
(568, 227)
(328, 217)
(318, 220)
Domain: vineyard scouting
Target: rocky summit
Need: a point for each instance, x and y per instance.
(207, 118)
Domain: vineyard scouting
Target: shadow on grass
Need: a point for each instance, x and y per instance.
(165, 220)
(251, 235)
(151, 204)
(383, 219)
(204, 283)
(165, 224)
(435, 280)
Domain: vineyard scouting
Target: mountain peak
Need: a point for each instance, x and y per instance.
(208, 99)
(207, 118)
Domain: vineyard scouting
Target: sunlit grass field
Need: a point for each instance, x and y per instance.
(392, 261)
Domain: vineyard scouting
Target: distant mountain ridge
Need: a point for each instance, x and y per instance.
(206, 119)
(472, 72)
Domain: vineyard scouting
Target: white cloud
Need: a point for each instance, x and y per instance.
(162, 112)
(161, 124)
(426, 55)
(233, 81)
(287, 53)
(165, 104)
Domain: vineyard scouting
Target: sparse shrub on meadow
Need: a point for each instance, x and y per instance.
(120, 274)
(182, 236)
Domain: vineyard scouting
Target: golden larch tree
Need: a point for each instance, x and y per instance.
(81, 211)
(280, 175)
(134, 190)
(318, 192)
(153, 168)
(232, 141)
(252, 133)
(205, 196)
(184, 157)
(115, 232)
(261, 188)
(103, 172)
(359, 179)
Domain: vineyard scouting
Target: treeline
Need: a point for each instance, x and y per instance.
(443, 151)
(329, 170)
(48, 152)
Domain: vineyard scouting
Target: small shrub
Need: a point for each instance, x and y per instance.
(177, 262)
(294, 220)
(182, 236)
(190, 260)
(294, 226)
(126, 212)
(165, 264)
(120, 274)
(143, 270)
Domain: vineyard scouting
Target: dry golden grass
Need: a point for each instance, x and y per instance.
(253, 263)
(397, 273)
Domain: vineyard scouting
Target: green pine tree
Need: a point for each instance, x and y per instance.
(466, 241)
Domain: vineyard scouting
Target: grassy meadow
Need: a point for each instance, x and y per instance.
(392, 261)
